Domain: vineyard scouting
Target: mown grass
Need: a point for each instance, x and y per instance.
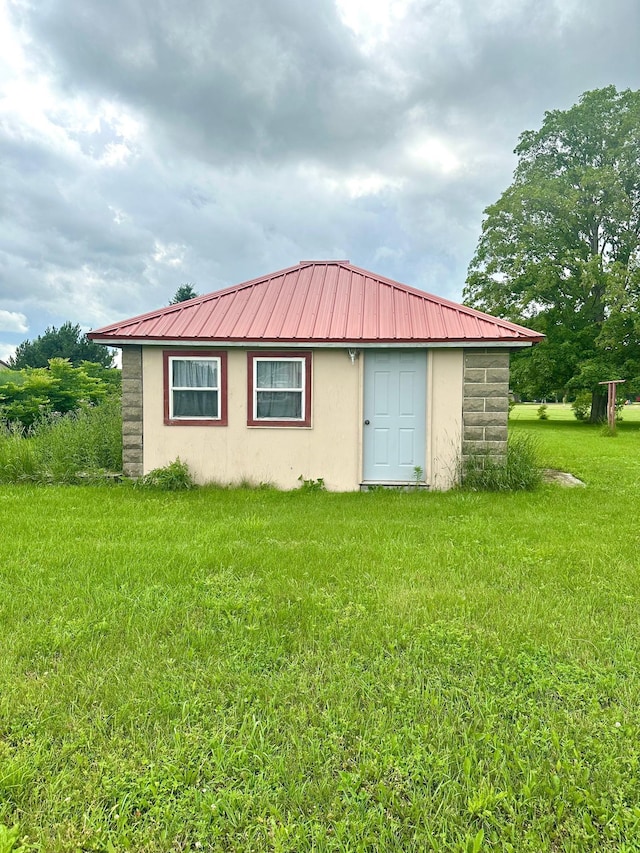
(629, 414)
(253, 670)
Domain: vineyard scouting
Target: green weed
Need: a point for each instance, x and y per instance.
(19, 459)
(9, 838)
(520, 470)
(312, 485)
(174, 477)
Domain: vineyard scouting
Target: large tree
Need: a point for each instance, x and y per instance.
(560, 250)
(66, 342)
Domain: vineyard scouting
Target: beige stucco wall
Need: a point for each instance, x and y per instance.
(278, 455)
(445, 371)
(331, 448)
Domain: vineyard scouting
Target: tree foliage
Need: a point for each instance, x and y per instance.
(560, 250)
(67, 342)
(29, 394)
(184, 293)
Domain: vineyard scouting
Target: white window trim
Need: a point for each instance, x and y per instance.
(173, 387)
(302, 390)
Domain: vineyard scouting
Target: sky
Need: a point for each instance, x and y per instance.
(145, 144)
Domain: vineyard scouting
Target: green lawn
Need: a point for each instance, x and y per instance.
(253, 670)
(563, 412)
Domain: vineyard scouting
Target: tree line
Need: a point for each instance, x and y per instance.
(61, 371)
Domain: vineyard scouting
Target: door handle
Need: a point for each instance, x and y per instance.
(367, 422)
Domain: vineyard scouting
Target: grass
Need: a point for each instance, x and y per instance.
(563, 412)
(59, 448)
(520, 469)
(260, 671)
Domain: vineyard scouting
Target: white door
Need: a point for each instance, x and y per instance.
(395, 399)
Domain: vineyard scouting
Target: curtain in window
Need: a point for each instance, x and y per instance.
(195, 404)
(272, 403)
(195, 374)
(202, 377)
(279, 404)
(279, 374)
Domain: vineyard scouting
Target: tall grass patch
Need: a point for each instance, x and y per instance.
(519, 470)
(58, 448)
(19, 459)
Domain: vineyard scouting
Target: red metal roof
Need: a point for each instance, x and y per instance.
(319, 302)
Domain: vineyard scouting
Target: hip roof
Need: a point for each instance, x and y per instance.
(317, 302)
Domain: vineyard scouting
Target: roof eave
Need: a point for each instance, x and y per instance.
(146, 340)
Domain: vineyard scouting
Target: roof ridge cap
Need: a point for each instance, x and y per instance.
(325, 263)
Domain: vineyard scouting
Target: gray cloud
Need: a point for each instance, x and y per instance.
(238, 80)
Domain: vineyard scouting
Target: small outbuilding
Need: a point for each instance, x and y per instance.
(322, 370)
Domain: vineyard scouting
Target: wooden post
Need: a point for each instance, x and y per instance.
(611, 401)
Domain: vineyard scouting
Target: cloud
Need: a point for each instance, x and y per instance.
(6, 351)
(13, 321)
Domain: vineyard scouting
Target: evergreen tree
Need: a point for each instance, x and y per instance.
(183, 294)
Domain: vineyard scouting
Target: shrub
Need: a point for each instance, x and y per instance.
(174, 477)
(519, 470)
(582, 405)
(28, 394)
(542, 412)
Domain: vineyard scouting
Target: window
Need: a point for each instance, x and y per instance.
(195, 388)
(279, 392)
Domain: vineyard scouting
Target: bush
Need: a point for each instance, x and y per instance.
(27, 395)
(542, 412)
(520, 470)
(582, 405)
(174, 477)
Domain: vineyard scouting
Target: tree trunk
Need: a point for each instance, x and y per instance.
(598, 408)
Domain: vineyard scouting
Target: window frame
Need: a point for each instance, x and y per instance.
(253, 358)
(195, 355)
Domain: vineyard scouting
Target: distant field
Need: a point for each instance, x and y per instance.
(564, 412)
(263, 671)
